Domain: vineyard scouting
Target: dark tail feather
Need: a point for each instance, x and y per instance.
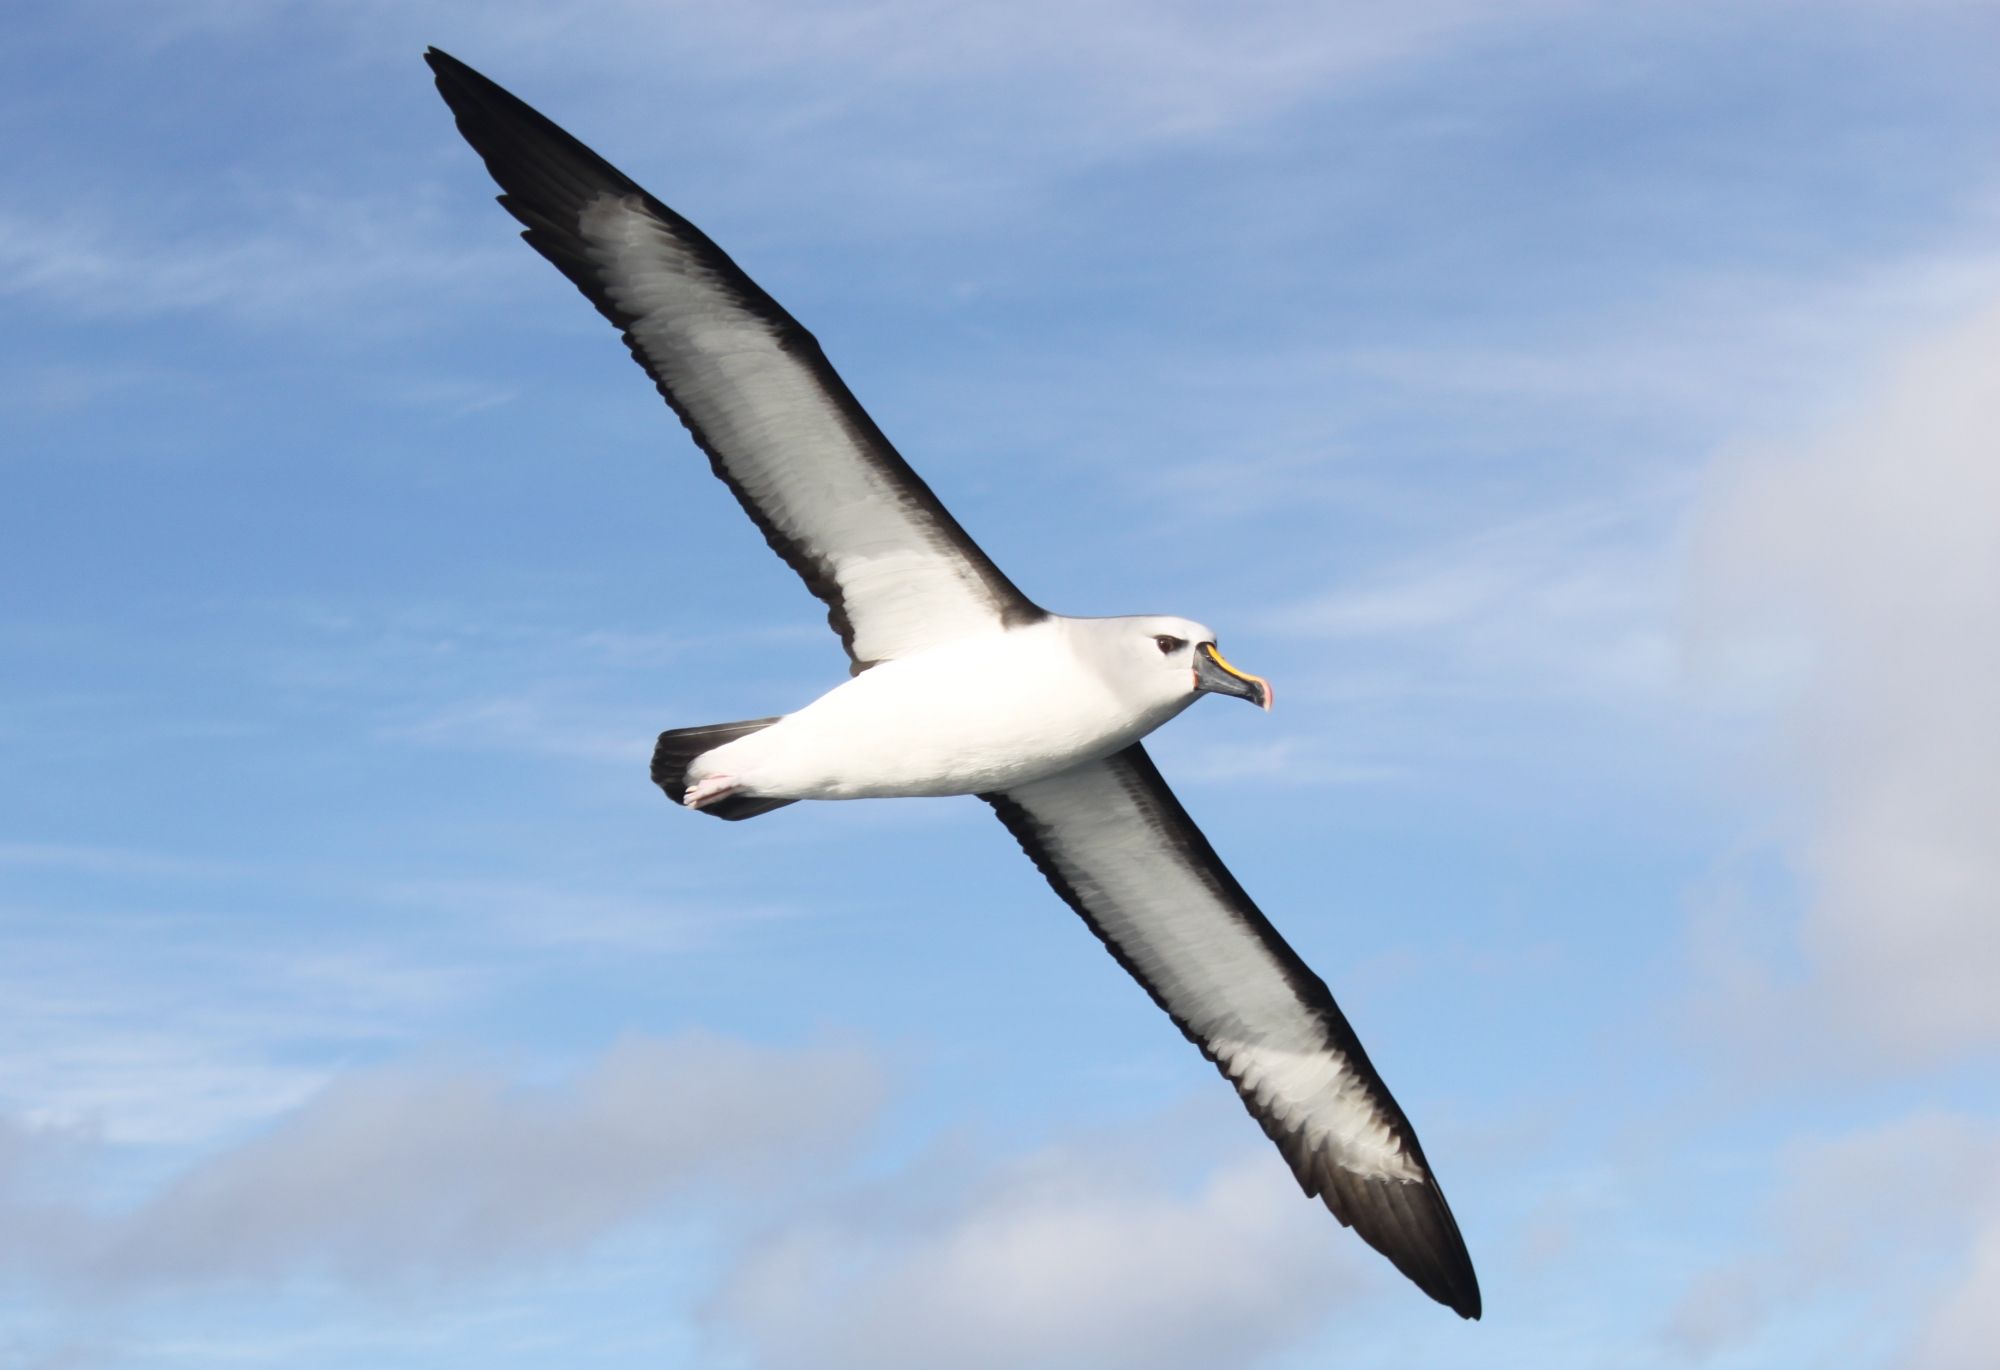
(677, 750)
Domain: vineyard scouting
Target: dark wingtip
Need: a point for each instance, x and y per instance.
(461, 85)
(446, 67)
(1411, 1224)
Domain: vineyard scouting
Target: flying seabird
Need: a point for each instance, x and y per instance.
(962, 685)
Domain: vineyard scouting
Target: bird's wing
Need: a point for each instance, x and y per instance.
(1117, 845)
(780, 428)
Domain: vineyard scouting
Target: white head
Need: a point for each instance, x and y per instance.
(1164, 663)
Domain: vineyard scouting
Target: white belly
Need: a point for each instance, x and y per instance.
(967, 718)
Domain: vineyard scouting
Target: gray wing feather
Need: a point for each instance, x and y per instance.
(781, 429)
(1121, 851)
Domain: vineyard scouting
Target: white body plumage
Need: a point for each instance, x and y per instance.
(974, 716)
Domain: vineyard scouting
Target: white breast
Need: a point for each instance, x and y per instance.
(971, 717)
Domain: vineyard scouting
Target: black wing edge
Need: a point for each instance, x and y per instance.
(548, 176)
(1409, 1223)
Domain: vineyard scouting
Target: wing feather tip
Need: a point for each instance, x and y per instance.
(1409, 1223)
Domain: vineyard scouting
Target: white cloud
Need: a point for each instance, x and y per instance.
(1963, 1327)
(1869, 1221)
(429, 1172)
(1063, 1261)
(1853, 582)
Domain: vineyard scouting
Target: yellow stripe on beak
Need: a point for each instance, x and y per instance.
(1265, 694)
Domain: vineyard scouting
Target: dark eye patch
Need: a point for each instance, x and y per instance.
(1169, 644)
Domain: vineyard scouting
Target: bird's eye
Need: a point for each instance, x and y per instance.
(1169, 644)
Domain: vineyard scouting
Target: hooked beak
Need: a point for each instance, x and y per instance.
(1213, 674)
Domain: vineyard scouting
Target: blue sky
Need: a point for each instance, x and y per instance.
(1592, 405)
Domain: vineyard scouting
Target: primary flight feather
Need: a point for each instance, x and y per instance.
(962, 685)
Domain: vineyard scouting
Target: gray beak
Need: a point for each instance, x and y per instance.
(1216, 676)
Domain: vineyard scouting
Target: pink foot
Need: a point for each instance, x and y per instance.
(710, 790)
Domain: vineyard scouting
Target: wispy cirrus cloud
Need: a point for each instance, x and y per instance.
(1568, 607)
(1112, 71)
(190, 1032)
(303, 262)
(529, 914)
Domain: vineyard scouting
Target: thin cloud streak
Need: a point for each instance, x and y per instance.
(302, 263)
(1110, 72)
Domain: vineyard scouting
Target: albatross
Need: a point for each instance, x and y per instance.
(961, 685)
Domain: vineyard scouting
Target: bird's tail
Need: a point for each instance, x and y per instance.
(678, 749)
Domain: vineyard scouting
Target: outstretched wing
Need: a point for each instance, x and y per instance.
(1117, 845)
(780, 428)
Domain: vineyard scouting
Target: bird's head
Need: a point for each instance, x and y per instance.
(1174, 660)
